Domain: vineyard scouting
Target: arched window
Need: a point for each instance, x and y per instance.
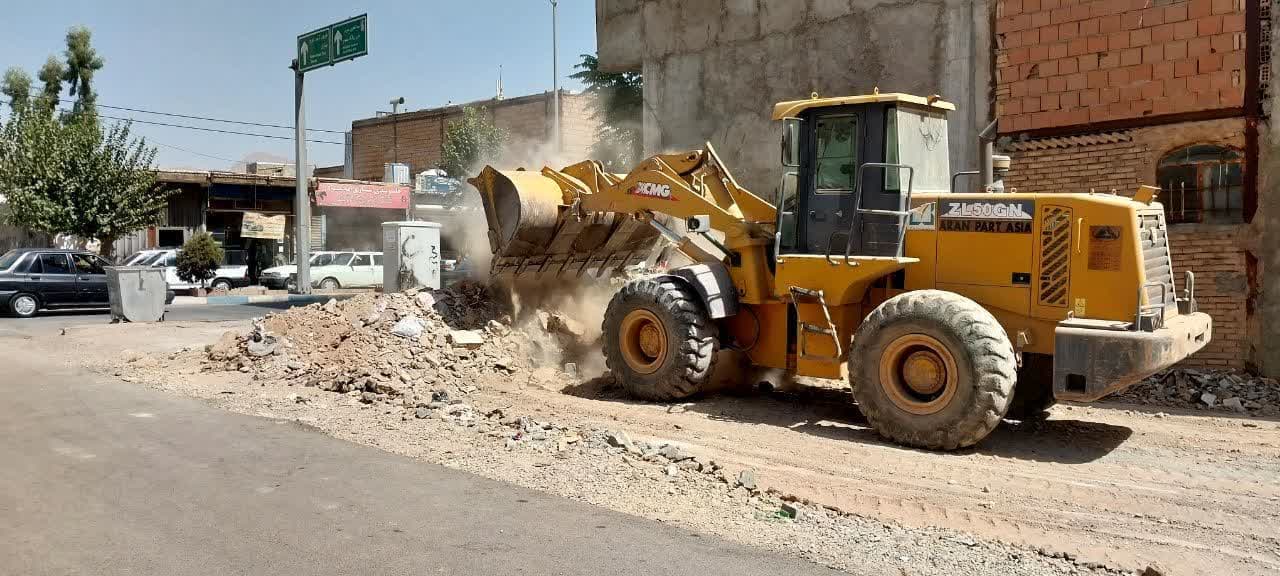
(1202, 183)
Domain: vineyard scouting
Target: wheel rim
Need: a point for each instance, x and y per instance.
(328, 284)
(643, 341)
(24, 305)
(918, 374)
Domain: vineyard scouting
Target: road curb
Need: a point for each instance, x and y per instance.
(299, 299)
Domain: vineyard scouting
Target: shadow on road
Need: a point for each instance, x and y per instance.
(831, 413)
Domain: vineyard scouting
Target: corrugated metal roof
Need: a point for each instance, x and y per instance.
(1069, 141)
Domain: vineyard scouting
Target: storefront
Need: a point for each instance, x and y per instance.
(353, 212)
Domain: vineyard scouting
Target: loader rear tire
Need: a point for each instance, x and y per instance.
(658, 340)
(932, 369)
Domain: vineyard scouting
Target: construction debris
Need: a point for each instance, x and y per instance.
(1207, 389)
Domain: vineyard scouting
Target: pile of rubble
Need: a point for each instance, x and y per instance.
(1205, 389)
(412, 348)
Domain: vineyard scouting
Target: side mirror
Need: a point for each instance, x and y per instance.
(791, 142)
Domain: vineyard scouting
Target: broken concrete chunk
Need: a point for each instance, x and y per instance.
(674, 453)
(1234, 403)
(331, 306)
(747, 479)
(469, 339)
(426, 300)
(226, 348)
(618, 439)
(1208, 398)
(264, 347)
(408, 327)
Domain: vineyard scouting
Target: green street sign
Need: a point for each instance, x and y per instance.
(314, 50)
(350, 38)
(345, 40)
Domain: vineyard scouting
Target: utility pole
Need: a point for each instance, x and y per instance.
(555, 80)
(301, 201)
(395, 151)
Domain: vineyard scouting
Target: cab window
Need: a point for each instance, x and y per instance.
(342, 259)
(837, 154)
(360, 260)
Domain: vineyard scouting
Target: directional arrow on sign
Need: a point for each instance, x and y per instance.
(337, 40)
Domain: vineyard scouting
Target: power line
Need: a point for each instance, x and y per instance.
(37, 94)
(219, 131)
(203, 129)
(240, 122)
(152, 141)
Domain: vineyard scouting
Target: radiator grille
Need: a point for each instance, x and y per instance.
(1157, 265)
(1055, 255)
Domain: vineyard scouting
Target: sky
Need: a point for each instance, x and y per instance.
(228, 59)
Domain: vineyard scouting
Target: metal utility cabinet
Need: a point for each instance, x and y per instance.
(411, 255)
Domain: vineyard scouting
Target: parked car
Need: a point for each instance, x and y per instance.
(228, 276)
(349, 270)
(34, 279)
(278, 277)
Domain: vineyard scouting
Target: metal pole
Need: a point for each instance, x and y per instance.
(301, 201)
(555, 80)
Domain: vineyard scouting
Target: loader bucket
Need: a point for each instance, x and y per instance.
(535, 230)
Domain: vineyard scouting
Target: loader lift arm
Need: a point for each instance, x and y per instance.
(581, 218)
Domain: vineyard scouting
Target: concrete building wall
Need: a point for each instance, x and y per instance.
(714, 68)
(1266, 221)
(417, 138)
(1071, 62)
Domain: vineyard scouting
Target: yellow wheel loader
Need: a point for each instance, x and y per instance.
(946, 311)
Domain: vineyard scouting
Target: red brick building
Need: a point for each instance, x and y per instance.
(1106, 95)
(417, 138)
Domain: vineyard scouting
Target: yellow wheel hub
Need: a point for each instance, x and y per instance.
(643, 340)
(918, 374)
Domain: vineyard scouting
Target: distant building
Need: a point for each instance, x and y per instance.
(417, 138)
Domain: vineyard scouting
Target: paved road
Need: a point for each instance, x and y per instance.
(52, 322)
(103, 477)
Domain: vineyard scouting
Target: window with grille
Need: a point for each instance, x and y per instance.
(1202, 183)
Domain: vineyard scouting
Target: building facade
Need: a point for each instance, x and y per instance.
(1105, 96)
(417, 138)
(714, 68)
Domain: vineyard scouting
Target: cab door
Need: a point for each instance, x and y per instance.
(832, 152)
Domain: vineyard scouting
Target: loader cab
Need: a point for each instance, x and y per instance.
(850, 163)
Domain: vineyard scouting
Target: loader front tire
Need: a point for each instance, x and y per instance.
(932, 369)
(658, 340)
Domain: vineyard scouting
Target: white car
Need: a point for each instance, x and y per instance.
(283, 276)
(226, 277)
(349, 270)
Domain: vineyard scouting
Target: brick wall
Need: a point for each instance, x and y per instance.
(1217, 256)
(1121, 161)
(419, 135)
(1073, 62)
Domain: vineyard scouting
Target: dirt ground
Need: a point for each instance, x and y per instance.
(1093, 489)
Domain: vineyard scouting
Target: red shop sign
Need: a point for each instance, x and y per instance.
(352, 195)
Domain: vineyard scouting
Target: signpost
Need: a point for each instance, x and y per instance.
(346, 40)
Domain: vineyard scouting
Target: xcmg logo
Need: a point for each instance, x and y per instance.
(660, 191)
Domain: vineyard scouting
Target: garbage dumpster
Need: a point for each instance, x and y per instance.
(137, 293)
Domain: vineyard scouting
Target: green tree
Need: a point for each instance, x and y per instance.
(69, 175)
(17, 87)
(618, 107)
(471, 141)
(51, 84)
(82, 63)
(199, 259)
(74, 178)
